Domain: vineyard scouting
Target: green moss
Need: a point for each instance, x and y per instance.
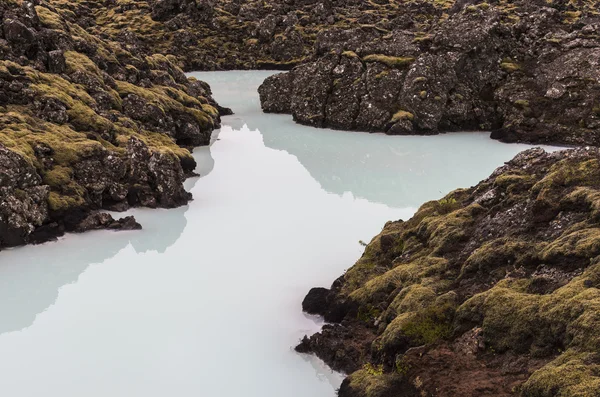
(430, 325)
(504, 181)
(84, 118)
(21, 194)
(369, 385)
(445, 233)
(497, 256)
(402, 115)
(368, 313)
(571, 16)
(403, 274)
(584, 196)
(584, 244)
(77, 61)
(49, 19)
(423, 326)
(447, 205)
(412, 299)
(392, 62)
(22, 132)
(59, 202)
(571, 374)
(170, 99)
(349, 54)
(521, 103)
(542, 325)
(509, 66)
(58, 176)
(52, 86)
(373, 370)
(564, 174)
(422, 38)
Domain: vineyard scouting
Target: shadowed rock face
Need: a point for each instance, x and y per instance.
(491, 288)
(89, 124)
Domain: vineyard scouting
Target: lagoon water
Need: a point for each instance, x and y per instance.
(205, 301)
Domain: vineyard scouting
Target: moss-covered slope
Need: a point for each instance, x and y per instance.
(229, 34)
(102, 126)
(495, 288)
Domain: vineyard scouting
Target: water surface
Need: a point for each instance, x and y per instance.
(205, 301)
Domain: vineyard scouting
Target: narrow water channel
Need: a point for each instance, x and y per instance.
(205, 301)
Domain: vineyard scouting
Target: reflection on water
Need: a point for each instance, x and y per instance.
(205, 301)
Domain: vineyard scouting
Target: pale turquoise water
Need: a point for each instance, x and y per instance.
(205, 301)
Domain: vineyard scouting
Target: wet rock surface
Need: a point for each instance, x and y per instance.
(492, 290)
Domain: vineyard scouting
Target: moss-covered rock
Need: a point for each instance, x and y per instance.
(507, 274)
(72, 101)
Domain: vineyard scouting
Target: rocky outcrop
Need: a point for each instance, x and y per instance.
(89, 124)
(528, 73)
(23, 199)
(491, 290)
(524, 70)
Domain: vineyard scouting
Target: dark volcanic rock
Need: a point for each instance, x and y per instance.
(471, 71)
(56, 62)
(100, 221)
(200, 10)
(315, 301)
(90, 122)
(23, 201)
(476, 291)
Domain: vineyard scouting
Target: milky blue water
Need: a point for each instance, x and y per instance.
(205, 301)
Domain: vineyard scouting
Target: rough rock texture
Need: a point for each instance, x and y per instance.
(88, 123)
(106, 221)
(528, 71)
(23, 200)
(492, 290)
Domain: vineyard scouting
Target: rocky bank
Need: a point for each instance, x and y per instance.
(87, 124)
(492, 290)
(525, 70)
